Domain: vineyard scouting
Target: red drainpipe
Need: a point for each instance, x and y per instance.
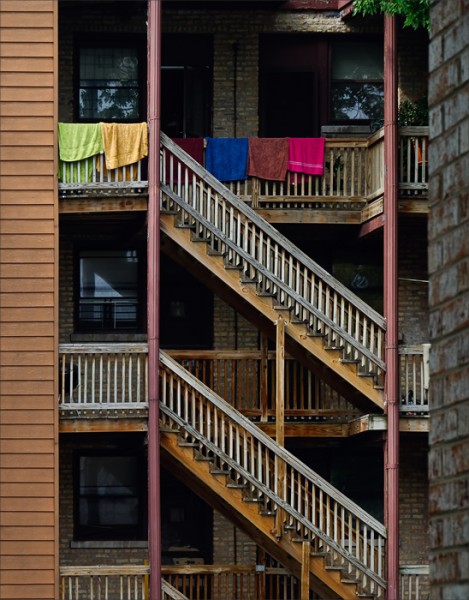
(153, 281)
(391, 388)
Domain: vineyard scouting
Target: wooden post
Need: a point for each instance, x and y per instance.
(280, 417)
(264, 374)
(260, 574)
(255, 193)
(280, 383)
(305, 570)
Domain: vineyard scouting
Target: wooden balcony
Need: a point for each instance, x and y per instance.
(350, 191)
(221, 582)
(105, 386)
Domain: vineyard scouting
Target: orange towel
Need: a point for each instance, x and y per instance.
(124, 143)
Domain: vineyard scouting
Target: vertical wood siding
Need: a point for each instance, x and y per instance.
(28, 300)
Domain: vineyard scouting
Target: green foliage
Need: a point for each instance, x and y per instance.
(413, 114)
(416, 13)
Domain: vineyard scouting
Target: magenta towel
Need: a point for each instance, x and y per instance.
(306, 155)
(267, 158)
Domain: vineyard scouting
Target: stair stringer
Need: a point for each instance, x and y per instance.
(245, 515)
(182, 236)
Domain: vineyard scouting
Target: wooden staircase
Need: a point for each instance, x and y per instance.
(269, 274)
(285, 507)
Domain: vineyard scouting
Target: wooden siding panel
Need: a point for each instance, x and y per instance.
(29, 19)
(25, 300)
(32, 241)
(20, 49)
(28, 302)
(27, 94)
(17, 6)
(14, 563)
(17, 417)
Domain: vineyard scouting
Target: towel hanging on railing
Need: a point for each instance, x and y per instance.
(124, 143)
(226, 158)
(306, 155)
(78, 142)
(267, 158)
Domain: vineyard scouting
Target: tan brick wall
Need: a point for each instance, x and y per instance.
(413, 281)
(413, 498)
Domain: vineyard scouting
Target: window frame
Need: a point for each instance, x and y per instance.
(111, 41)
(84, 326)
(84, 532)
(350, 41)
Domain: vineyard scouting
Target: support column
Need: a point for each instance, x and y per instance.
(391, 388)
(305, 570)
(280, 419)
(153, 280)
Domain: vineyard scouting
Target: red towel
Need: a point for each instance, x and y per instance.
(194, 147)
(267, 158)
(306, 155)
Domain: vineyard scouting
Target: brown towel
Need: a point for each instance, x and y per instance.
(268, 157)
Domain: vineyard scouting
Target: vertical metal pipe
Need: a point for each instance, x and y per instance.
(391, 306)
(153, 279)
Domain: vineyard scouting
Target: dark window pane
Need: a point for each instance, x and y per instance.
(109, 84)
(109, 503)
(108, 289)
(357, 101)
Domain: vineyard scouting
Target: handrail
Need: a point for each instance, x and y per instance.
(170, 592)
(312, 506)
(268, 258)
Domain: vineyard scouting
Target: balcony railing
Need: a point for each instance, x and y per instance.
(414, 582)
(89, 177)
(414, 378)
(353, 176)
(126, 582)
(217, 582)
(115, 376)
(105, 376)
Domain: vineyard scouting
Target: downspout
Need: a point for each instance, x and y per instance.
(153, 280)
(391, 388)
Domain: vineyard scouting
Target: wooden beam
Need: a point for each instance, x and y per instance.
(305, 570)
(302, 429)
(264, 377)
(311, 216)
(370, 422)
(99, 204)
(370, 226)
(92, 425)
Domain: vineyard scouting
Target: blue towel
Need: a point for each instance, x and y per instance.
(226, 158)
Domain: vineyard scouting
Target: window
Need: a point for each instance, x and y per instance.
(109, 83)
(110, 497)
(357, 89)
(109, 290)
(186, 81)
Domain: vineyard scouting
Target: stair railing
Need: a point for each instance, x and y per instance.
(310, 508)
(269, 260)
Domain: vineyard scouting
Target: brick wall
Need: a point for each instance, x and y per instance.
(449, 299)
(413, 498)
(413, 278)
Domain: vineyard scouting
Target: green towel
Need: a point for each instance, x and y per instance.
(78, 141)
